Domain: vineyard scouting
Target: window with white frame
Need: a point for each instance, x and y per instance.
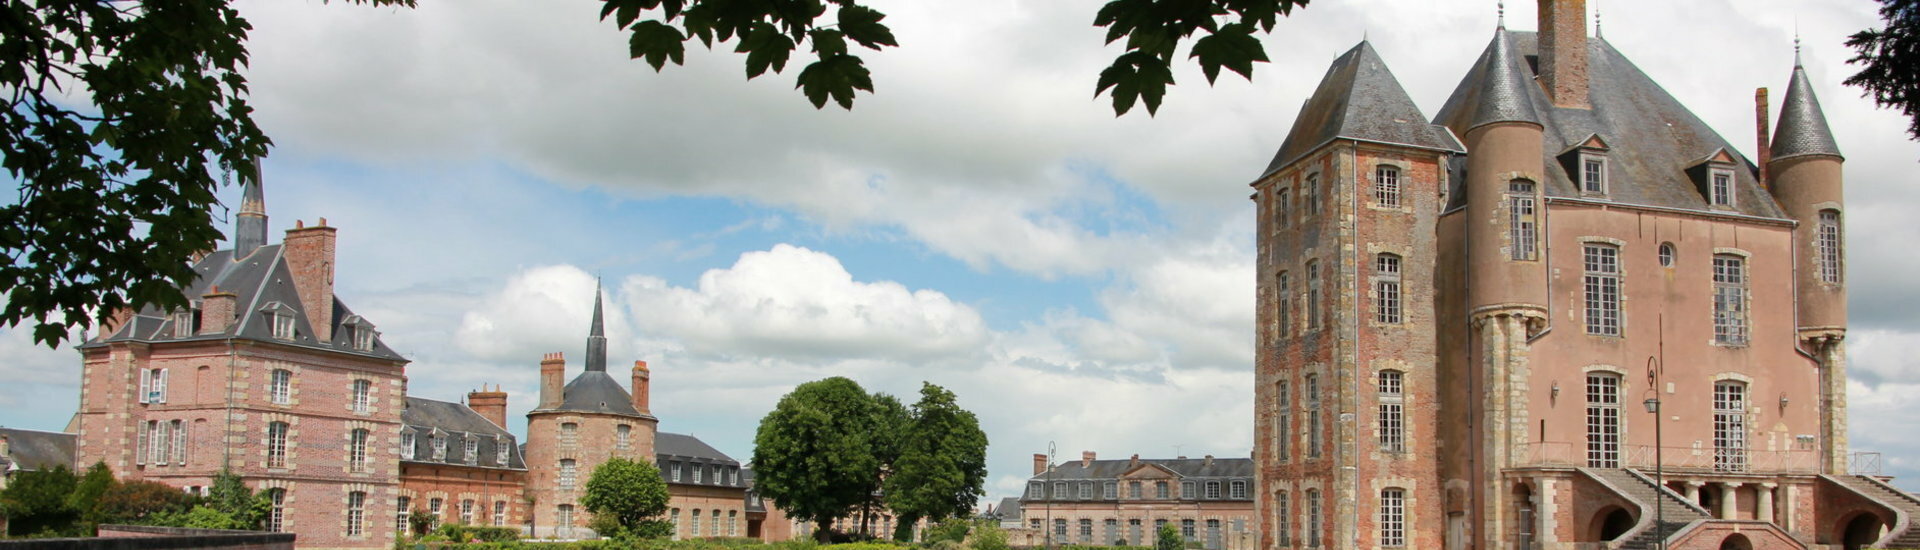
(356, 514)
(1593, 174)
(1283, 421)
(1827, 246)
(1086, 531)
(1313, 294)
(439, 443)
(1393, 517)
(1086, 490)
(698, 472)
(364, 336)
(568, 473)
(565, 515)
(1059, 491)
(1666, 254)
(676, 473)
(276, 444)
(569, 432)
(1110, 490)
(183, 322)
(1313, 518)
(357, 450)
(280, 387)
(1522, 222)
(1729, 426)
(1237, 489)
(277, 510)
(1603, 420)
(499, 513)
(157, 439)
(1720, 187)
(1602, 283)
(470, 452)
(502, 448)
(406, 443)
(1213, 490)
(434, 506)
(1386, 288)
(1392, 417)
(466, 512)
(1161, 490)
(1134, 490)
(402, 510)
(1313, 416)
(362, 395)
(1729, 299)
(282, 324)
(1386, 186)
(693, 526)
(153, 386)
(622, 435)
(180, 442)
(1186, 530)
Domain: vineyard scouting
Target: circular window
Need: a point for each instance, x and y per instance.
(1666, 254)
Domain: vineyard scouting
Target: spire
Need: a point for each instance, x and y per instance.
(1802, 129)
(596, 336)
(250, 226)
(1500, 14)
(1503, 88)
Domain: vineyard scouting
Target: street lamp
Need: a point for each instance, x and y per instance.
(1659, 461)
(1048, 528)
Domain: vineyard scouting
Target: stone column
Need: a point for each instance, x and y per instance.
(1729, 499)
(1545, 512)
(1693, 491)
(1763, 503)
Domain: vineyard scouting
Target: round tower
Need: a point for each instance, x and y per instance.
(1804, 176)
(1505, 211)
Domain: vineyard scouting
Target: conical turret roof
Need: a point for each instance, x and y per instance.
(1803, 127)
(1359, 99)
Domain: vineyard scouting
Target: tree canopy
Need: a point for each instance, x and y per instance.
(624, 497)
(941, 470)
(1888, 59)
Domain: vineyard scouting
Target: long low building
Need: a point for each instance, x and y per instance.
(1124, 502)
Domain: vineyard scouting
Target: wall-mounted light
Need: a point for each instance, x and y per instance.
(1783, 400)
(1556, 390)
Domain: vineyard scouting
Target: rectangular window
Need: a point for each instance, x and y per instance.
(1035, 490)
(1186, 529)
(153, 386)
(433, 509)
(1603, 420)
(622, 435)
(406, 443)
(1393, 517)
(1237, 490)
(698, 472)
(280, 388)
(362, 395)
(1729, 299)
(1313, 294)
(1213, 490)
(1722, 188)
(1109, 530)
(157, 439)
(183, 325)
(1060, 491)
(1109, 491)
(1386, 186)
(1522, 224)
(1133, 490)
(567, 473)
(402, 509)
(1393, 431)
(180, 442)
(439, 441)
(565, 517)
(1593, 175)
(466, 512)
(501, 447)
(1284, 298)
(1313, 518)
(1187, 490)
(1086, 491)
(499, 513)
(1161, 490)
(357, 451)
(1086, 531)
(1310, 191)
(1060, 530)
(276, 445)
(277, 510)
(1729, 427)
(1313, 416)
(1284, 208)
(1282, 521)
(282, 325)
(1283, 422)
(1827, 246)
(1386, 285)
(1602, 282)
(356, 513)
(470, 451)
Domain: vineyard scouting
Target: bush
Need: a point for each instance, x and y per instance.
(988, 536)
(467, 533)
(951, 529)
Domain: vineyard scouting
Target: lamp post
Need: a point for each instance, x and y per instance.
(1659, 460)
(1048, 528)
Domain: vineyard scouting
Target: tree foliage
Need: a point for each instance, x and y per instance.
(1890, 60)
(35, 503)
(623, 495)
(941, 469)
(813, 454)
(1167, 537)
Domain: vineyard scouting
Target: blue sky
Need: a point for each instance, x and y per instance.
(981, 222)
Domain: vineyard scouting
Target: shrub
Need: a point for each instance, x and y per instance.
(467, 533)
(988, 537)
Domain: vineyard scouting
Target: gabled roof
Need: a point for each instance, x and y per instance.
(257, 281)
(1359, 99)
(1803, 127)
(36, 450)
(1652, 139)
(457, 422)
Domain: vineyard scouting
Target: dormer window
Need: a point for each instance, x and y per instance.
(471, 452)
(501, 446)
(406, 443)
(280, 317)
(360, 333)
(439, 442)
(1720, 189)
(186, 322)
(1593, 174)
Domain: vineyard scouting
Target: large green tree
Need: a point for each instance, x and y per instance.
(625, 496)
(122, 116)
(35, 503)
(813, 454)
(1890, 60)
(941, 470)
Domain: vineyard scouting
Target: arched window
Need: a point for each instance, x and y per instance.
(1284, 208)
(1386, 186)
(1729, 426)
(466, 512)
(1522, 221)
(1393, 431)
(1386, 289)
(1827, 246)
(1393, 517)
(499, 513)
(1603, 420)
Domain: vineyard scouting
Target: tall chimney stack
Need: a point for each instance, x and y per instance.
(1563, 52)
(490, 404)
(1086, 459)
(1039, 463)
(309, 253)
(1760, 131)
(553, 368)
(642, 386)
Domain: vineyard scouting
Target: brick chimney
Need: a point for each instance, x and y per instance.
(1208, 462)
(1039, 463)
(1760, 106)
(1563, 52)
(642, 386)
(1086, 459)
(490, 404)
(6, 448)
(1135, 461)
(309, 256)
(216, 310)
(553, 369)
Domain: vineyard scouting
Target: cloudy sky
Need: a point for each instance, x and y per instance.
(982, 222)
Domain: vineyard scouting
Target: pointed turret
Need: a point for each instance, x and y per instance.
(1359, 99)
(1803, 127)
(250, 226)
(596, 337)
(1503, 87)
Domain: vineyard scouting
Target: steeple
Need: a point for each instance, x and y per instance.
(250, 226)
(1802, 129)
(596, 336)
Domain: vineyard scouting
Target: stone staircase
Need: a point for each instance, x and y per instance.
(1677, 513)
(1908, 506)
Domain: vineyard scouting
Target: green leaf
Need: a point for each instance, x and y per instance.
(862, 24)
(658, 43)
(1233, 47)
(828, 42)
(1134, 77)
(836, 76)
(765, 47)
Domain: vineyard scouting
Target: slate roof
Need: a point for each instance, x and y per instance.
(259, 280)
(1803, 127)
(687, 451)
(457, 422)
(36, 450)
(1653, 140)
(680, 446)
(1183, 467)
(597, 392)
(1359, 99)
(1008, 510)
